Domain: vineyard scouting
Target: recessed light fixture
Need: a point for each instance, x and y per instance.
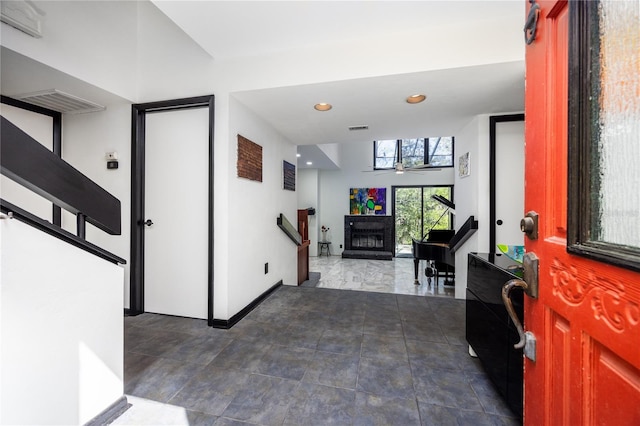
(322, 106)
(298, 155)
(309, 163)
(416, 99)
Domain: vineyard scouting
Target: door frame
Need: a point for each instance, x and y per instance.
(138, 135)
(493, 121)
(393, 204)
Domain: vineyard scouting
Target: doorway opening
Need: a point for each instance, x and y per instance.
(415, 213)
(138, 220)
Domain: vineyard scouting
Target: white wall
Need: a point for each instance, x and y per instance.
(307, 189)
(332, 150)
(86, 140)
(40, 128)
(61, 328)
(357, 172)
(254, 237)
(169, 65)
(93, 41)
(472, 193)
(131, 49)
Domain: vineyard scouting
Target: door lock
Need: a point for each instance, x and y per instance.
(529, 225)
(148, 222)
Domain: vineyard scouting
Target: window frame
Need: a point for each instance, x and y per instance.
(583, 28)
(398, 154)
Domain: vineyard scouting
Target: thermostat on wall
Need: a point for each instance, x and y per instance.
(112, 160)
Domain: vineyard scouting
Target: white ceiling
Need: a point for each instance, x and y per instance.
(234, 29)
(230, 30)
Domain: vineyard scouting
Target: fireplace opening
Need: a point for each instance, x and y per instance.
(368, 237)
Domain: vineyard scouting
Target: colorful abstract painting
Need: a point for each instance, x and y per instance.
(368, 201)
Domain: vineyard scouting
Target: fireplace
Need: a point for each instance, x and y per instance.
(368, 237)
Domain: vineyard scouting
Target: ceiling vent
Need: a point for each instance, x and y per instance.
(23, 15)
(364, 127)
(59, 101)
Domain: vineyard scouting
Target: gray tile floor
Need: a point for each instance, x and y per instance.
(311, 356)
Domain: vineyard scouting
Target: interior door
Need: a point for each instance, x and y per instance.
(586, 318)
(176, 209)
(509, 183)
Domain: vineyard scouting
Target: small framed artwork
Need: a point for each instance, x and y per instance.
(464, 165)
(288, 176)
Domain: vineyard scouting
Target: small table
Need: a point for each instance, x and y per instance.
(326, 244)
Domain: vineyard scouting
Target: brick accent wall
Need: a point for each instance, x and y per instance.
(249, 159)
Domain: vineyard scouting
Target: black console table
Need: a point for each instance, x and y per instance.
(490, 331)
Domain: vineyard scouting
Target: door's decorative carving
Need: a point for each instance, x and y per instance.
(608, 308)
(607, 297)
(566, 283)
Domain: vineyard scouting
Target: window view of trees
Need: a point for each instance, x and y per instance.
(416, 213)
(385, 154)
(434, 152)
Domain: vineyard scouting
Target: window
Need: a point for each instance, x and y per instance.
(385, 154)
(604, 130)
(420, 152)
(416, 213)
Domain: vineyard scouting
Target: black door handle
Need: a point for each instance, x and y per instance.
(148, 222)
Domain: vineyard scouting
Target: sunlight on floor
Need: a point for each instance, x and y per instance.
(146, 412)
(381, 276)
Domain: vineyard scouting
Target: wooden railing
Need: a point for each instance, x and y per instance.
(26, 161)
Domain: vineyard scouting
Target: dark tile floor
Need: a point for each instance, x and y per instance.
(311, 356)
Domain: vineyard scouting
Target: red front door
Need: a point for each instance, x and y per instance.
(586, 319)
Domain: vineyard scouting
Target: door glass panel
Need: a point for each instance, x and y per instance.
(436, 216)
(616, 209)
(416, 213)
(408, 217)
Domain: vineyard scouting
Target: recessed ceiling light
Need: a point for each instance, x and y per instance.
(416, 99)
(298, 155)
(323, 106)
(309, 163)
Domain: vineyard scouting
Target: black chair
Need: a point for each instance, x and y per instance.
(437, 268)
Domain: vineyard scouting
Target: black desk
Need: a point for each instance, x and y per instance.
(490, 331)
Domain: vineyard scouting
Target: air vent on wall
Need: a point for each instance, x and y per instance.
(363, 127)
(59, 101)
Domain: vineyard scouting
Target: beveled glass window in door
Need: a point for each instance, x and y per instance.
(604, 131)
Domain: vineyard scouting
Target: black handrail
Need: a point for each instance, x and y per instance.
(26, 161)
(289, 229)
(16, 212)
(464, 233)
